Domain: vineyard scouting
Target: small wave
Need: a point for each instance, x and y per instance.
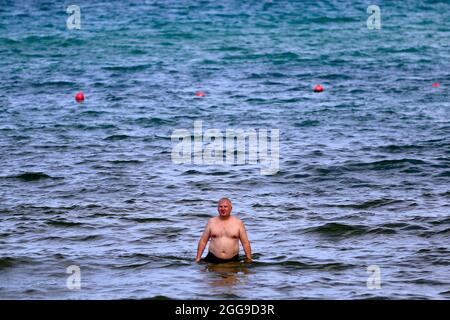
(435, 221)
(150, 122)
(438, 251)
(186, 258)
(228, 48)
(136, 256)
(274, 83)
(199, 215)
(334, 228)
(101, 215)
(158, 298)
(385, 164)
(445, 293)
(275, 58)
(132, 266)
(8, 262)
(257, 100)
(413, 227)
(443, 231)
(322, 20)
(192, 200)
(36, 292)
(57, 84)
(261, 205)
(307, 123)
(138, 52)
(440, 262)
(40, 39)
(369, 204)
(59, 223)
(394, 148)
(381, 230)
(59, 256)
(218, 173)
(93, 113)
(426, 282)
(339, 229)
(146, 220)
(117, 137)
(283, 56)
(170, 232)
(439, 221)
(190, 172)
(395, 225)
(125, 161)
(395, 49)
(444, 174)
(72, 42)
(178, 36)
(112, 97)
(51, 238)
(8, 41)
(135, 68)
(32, 176)
(47, 209)
(227, 296)
(337, 76)
(265, 75)
(77, 238)
(336, 266)
(297, 176)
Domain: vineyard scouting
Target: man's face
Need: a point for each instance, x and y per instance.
(224, 208)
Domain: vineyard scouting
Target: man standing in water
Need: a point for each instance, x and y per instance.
(225, 232)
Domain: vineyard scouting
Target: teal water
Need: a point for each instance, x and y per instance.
(364, 166)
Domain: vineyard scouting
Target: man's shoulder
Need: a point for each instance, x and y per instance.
(236, 219)
(233, 219)
(213, 220)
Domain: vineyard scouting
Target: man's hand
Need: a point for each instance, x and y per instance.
(197, 260)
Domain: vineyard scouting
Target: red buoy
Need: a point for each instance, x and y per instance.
(200, 94)
(318, 88)
(436, 85)
(79, 97)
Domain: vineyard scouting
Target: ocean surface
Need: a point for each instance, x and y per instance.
(364, 169)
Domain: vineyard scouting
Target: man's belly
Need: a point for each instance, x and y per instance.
(224, 248)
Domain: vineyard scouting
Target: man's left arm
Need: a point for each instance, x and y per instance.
(245, 242)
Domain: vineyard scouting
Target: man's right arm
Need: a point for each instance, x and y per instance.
(203, 241)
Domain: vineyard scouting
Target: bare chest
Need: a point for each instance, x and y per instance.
(224, 230)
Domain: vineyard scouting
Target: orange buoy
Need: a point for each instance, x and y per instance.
(318, 88)
(79, 97)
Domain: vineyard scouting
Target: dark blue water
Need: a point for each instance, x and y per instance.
(363, 174)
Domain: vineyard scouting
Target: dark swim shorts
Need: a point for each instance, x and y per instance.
(213, 259)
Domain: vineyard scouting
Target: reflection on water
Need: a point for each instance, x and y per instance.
(226, 274)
